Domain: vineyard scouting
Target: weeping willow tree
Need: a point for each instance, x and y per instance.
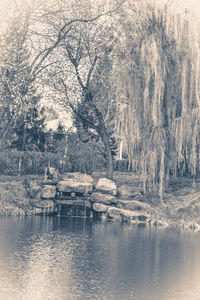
(157, 96)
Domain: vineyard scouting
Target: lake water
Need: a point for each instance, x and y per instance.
(74, 258)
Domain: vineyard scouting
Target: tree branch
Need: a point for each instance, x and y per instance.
(90, 71)
(74, 63)
(62, 35)
(48, 51)
(76, 112)
(43, 68)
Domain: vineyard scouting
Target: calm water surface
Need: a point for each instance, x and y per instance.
(72, 258)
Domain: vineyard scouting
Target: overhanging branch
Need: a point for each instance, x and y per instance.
(62, 35)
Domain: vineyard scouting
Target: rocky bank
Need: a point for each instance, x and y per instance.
(95, 196)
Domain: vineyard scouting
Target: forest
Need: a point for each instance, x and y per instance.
(125, 72)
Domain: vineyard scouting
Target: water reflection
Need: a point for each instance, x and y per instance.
(73, 258)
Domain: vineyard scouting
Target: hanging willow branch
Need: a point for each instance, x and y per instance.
(158, 116)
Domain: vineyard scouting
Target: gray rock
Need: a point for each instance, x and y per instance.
(127, 215)
(107, 186)
(127, 192)
(48, 192)
(77, 176)
(71, 185)
(103, 198)
(99, 207)
(134, 205)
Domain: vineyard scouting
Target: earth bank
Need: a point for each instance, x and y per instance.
(119, 199)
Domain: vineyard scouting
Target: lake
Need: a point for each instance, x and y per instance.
(67, 258)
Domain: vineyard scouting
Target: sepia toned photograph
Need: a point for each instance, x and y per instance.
(99, 149)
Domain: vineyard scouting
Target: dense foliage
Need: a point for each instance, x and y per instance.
(158, 94)
(23, 122)
(128, 73)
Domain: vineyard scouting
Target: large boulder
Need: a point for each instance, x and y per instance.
(74, 186)
(127, 215)
(80, 177)
(134, 205)
(100, 208)
(48, 192)
(103, 198)
(106, 186)
(127, 192)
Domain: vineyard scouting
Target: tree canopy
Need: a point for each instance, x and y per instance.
(127, 70)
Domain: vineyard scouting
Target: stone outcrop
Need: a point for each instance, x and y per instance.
(48, 192)
(106, 186)
(103, 198)
(128, 216)
(99, 207)
(133, 205)
(74, 195)
(73, 186)
(77, 176)
(75, 183)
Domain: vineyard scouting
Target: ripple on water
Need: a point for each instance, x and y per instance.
(71, 258)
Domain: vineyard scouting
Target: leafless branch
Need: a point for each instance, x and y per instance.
(75, 111)
(62, 35)
(91, 71)
(43, 68)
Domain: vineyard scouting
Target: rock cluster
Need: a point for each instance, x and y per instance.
(71, 193)
(109, 201)
(75, 183)
(44, 196)
(106, 186)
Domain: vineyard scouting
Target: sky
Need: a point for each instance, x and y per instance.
(6, 7)
(194, 5)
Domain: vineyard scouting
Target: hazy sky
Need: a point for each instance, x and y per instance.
(6, 5)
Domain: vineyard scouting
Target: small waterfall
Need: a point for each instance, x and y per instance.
(75, 208)
(85, 212)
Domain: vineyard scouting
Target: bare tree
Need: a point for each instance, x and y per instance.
(82, 59)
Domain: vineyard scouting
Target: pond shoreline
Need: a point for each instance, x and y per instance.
(180, 207)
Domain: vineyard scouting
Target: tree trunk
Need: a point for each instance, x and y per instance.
(19, 165)
(105, 140)
(103, 134)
